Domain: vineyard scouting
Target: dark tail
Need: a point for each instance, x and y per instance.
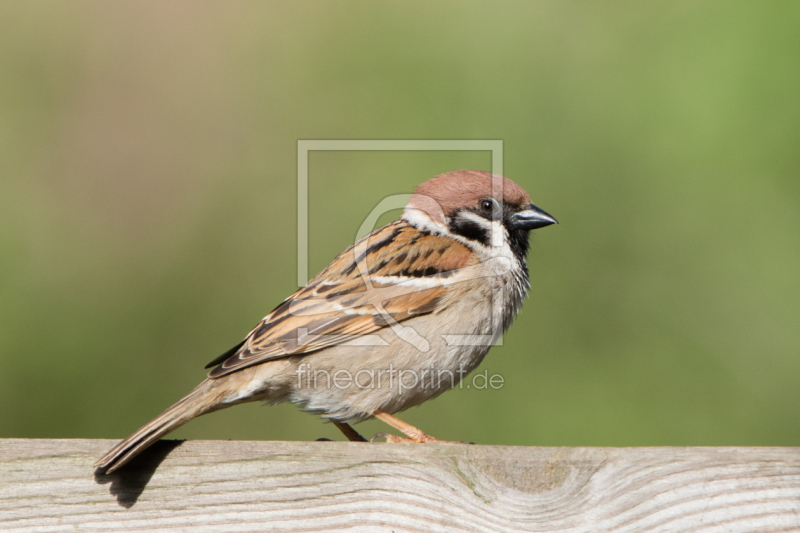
(198, 402)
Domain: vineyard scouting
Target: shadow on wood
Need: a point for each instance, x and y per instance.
(128, 483)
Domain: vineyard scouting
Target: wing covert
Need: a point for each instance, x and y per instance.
(395, 273)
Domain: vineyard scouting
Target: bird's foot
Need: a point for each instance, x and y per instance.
(389, 438)
(422, 437)
(413, 434)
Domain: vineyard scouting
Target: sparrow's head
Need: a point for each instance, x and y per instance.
(478, 207)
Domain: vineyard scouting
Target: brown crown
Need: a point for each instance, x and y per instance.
(464, 188)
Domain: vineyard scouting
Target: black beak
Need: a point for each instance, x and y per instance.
(531, 218)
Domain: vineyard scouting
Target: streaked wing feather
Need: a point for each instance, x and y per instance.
(339, 304)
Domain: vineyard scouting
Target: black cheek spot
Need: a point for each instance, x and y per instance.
(471, 230)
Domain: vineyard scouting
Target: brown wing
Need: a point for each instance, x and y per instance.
(395, 273)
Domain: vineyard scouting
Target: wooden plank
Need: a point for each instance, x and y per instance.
(49, 485)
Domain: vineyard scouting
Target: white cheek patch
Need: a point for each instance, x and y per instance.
(469, 215)
(421, 220)
(498, 234)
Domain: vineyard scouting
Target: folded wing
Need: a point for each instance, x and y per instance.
(395, 273)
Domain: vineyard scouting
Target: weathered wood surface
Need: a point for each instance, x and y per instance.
(49, 485)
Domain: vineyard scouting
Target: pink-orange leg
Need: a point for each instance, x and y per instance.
(414, 434)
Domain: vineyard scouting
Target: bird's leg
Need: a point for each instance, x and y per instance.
(349, 432)
(414, 434)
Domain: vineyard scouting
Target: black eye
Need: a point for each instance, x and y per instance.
(487, 205)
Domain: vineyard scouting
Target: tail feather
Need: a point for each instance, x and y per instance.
(194, 404)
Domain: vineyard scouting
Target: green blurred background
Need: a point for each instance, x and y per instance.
(148, 188)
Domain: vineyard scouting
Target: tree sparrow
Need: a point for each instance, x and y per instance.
(396, 319)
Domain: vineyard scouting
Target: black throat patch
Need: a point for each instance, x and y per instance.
(518, 241)
(475, 231)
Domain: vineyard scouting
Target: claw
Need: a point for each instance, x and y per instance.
(389, 438)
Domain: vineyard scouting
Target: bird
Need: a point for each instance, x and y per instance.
(396, 319)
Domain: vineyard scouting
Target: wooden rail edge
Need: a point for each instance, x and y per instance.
(49, 485)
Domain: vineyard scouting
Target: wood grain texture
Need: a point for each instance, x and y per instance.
(198, 486)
